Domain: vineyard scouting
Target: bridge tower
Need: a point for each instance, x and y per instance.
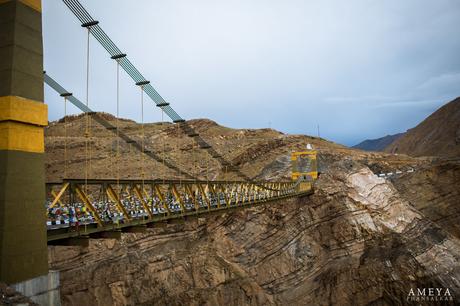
(23, 115)
(304, 167)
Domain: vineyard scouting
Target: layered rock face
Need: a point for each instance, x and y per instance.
(356, 241)
(434, 190)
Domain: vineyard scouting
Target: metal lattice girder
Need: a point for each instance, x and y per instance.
(191, 193)
(178, 196)
(87, 203)
(141, 198)
(141, 202)
(213, 192)
(116, 199)
(161, 197)
(224, 194)
(228, 192)
(204, 196)
(57, 197)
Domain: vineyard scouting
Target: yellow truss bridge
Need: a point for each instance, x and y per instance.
(105, 208)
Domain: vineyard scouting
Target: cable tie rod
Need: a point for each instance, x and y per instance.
(89, 24)
(142, 83)
(162, 104)
(118, 56)
(66, 94)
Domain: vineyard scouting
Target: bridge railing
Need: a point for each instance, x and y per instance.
(75, 202)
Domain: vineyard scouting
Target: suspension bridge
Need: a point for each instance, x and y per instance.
(75, 209)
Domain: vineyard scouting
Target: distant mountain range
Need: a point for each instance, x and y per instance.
(437, 135)
(378, 144)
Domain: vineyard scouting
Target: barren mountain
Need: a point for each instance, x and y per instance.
(378, 144)
(437, 135)
(359, 240)
(263, 153)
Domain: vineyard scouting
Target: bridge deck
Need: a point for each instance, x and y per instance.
(85, 207)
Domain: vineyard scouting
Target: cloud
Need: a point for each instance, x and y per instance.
(347, 65)
(440, 85)
(435, 89)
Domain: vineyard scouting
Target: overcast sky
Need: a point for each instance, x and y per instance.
(359, 69)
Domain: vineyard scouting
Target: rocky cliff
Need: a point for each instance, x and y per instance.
(434, 190)
(9, 296)
(356, 241)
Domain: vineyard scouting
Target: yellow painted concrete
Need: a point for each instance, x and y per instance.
(17, 136)
(35, 4)
(295, 155)
(13, 108)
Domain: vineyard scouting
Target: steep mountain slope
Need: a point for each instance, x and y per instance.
(262, 153)
(437, 135)
(378, 144)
